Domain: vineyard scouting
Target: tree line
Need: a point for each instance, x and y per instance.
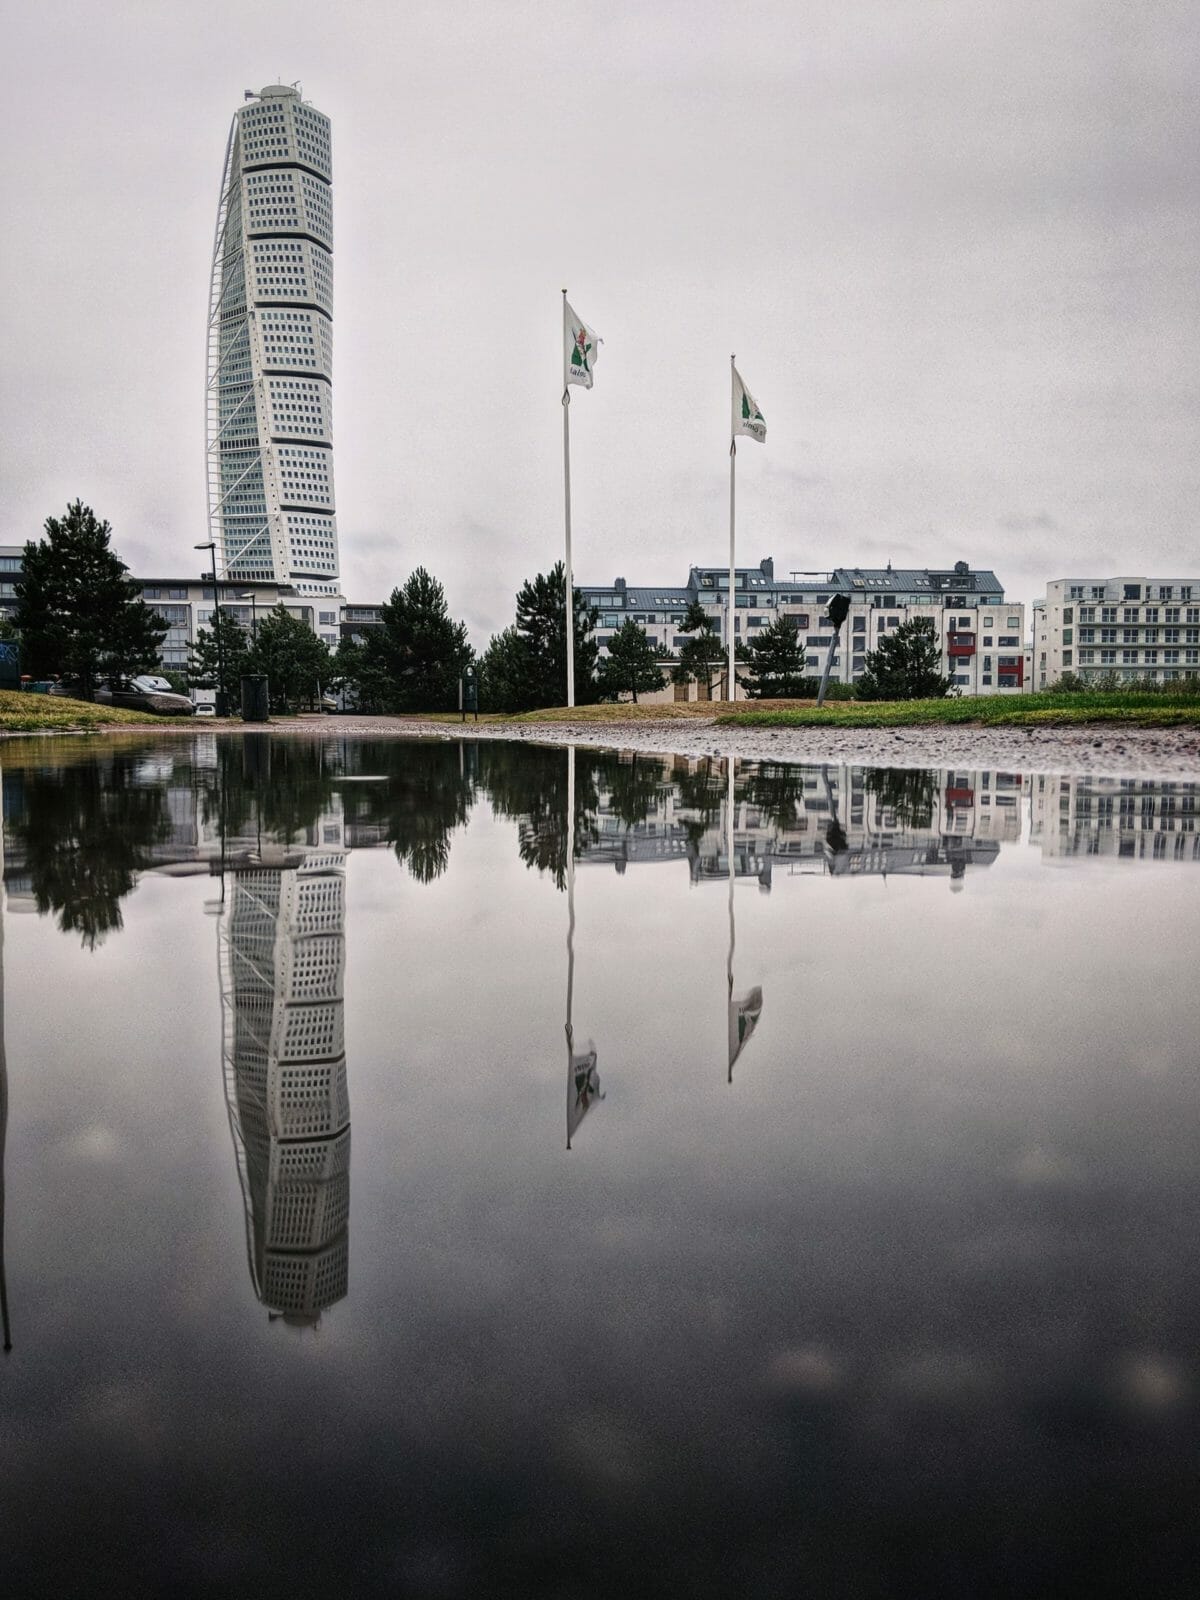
(80, 615)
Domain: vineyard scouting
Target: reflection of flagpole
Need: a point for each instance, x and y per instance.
(570, 932)
(3, 1094)
(729, 854)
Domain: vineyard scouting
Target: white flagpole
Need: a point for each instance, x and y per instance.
(566, 403)
(731, 686)
(570, 932)
(729, 853)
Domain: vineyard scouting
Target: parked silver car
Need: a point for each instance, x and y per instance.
(163, 702)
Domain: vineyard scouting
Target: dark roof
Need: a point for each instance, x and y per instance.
(934, 580)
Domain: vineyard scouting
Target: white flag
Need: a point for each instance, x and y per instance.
(581, 349)
(747, 418)
(583, 1088)
(743, 1018)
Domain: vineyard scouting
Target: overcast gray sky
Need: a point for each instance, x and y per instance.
(954, 246)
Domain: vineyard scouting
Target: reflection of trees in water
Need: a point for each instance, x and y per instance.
(428, 794)
(632, 781)
(775, 789)
(700, 796)
(908, 792)
(280, 787)
(529, 784)
(87, 830)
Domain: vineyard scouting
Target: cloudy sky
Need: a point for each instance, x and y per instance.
(953, 246)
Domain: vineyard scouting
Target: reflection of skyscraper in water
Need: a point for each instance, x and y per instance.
(283, 958)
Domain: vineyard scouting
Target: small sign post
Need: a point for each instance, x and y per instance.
(468, 694)
(839, 605)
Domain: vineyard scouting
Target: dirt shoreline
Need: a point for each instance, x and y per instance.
(1098, 748)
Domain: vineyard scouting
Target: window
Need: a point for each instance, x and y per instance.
(1164, 592)
(1007, 641)
(1108, 658)
(1133, 591)
(1108, 613)
(156, 594)
(1150, 616)
(1012, 622)
(859, 624)
(1068, 616)
(328, 619)
(1067, 657)
(987, 621)
(963, 622)
(1087, 613)
(986, 679)
(1067, 638)
(1171, 614)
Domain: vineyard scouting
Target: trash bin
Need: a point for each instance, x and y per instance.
(255, 699)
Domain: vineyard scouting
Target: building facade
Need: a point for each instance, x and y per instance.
(1127, 627)
(271, 499)
(980, 632)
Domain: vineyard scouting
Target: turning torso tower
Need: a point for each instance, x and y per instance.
(270, 349)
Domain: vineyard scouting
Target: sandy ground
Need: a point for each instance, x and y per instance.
(1159, 752)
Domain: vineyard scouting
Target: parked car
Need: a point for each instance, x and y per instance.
(164, 703)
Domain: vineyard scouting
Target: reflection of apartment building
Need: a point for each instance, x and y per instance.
(836, 819)
(1127, 627)
(981, 634)
(1131, 819)
(283, 959)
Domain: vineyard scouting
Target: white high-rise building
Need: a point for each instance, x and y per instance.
(270, 349)
(1124, 627)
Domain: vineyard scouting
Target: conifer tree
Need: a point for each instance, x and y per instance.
(78, 611)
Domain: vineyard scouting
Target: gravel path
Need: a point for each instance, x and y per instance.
(1103, 748)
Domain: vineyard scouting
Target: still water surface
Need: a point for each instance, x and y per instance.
(870, 1268)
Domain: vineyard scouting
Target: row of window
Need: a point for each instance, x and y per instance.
(1143, 615)
(1131, 591)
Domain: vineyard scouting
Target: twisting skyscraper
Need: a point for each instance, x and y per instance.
(270, 349)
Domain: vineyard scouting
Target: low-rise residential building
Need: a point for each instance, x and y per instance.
(981, 633)
(186, 605)
(1128, 627)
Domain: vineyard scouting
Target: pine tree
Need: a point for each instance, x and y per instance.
(906, 665)
(415, 660)
(632, 663)
(776, 657)
(701, 657)
(525, 666)
(78, 611)
(293, 658)
(218, 657)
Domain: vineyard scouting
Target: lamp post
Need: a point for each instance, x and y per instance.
(211, 547)
(253, 599)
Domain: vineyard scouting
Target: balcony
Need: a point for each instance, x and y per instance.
(960, 645)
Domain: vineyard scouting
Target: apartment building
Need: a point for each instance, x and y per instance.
(980, 632)
(1130, 627)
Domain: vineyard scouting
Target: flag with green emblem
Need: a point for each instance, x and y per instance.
(581, 349)
(747, 418)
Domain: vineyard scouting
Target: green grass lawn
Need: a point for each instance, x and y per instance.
(22, 712)
(1133, 708)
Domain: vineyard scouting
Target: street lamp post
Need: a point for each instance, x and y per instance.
(211, 547)
(253, 599)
